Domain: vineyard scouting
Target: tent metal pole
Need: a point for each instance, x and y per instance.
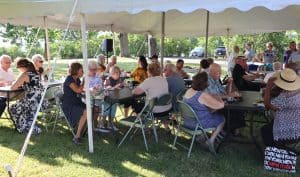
(113, 36)
(86, 83)
(206, 32)
(47, 40)
(227, 46)
(162, 40)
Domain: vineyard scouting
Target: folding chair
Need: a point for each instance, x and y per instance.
(163, 100)
(142, 120)
(58, 99)
(52, 109)
(187, 111)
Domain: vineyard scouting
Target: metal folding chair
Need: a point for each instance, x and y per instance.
(142, 120)
(58, 100)
(52, 109)
(163, 100)
(187, 111)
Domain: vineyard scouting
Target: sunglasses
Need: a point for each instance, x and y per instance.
(41, 61)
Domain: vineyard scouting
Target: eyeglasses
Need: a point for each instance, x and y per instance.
(41, 61)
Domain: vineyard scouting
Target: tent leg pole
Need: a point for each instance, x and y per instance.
(206, 33)
(47, 47)
(162, 40)
(86, 83)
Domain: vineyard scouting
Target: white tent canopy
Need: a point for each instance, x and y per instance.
(182, 18)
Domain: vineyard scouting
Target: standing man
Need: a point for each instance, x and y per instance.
(249, 53)
(6, 78)
(287, 54)
(179, 70)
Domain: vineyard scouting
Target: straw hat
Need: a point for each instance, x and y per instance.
(287, 79)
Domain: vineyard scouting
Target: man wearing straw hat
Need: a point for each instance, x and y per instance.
(282, 96)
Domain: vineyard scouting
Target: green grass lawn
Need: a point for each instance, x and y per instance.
(53, 155)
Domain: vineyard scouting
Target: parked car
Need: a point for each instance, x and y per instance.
(220, 51)
(197, 52)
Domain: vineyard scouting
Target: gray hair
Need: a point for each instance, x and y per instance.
(92, 64)
(37, 57)
(4, 57)
(277, 66)
(114, 69)
(113, 57)
(171, 67)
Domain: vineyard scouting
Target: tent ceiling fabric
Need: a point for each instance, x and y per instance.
(183, 18)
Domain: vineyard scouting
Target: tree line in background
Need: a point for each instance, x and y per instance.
(26, 41)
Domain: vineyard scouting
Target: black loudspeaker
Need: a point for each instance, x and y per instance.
(107, 45)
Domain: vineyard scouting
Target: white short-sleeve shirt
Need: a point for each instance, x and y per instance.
(155, 87)
(7, 75)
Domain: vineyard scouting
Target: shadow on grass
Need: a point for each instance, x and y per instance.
(131, 159)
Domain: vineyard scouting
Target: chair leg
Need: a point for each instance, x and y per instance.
(125, 136)
(143, 132)
(191, 146)
(175, 139)
(55, 121)
(44, 121)
(154, 132)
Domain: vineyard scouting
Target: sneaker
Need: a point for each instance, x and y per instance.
(76, 141)
(113, 127)
(102, 129)
(211, 147)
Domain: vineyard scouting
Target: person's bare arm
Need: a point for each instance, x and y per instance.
(267, 94)
(138, 91)
(76, 88)
(250, 77)
(211, 101)
(20, 81)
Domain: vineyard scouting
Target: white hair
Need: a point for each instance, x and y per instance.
(171, 66)
(92, 64)
(4, 57)
(37, 57)
(277, 66)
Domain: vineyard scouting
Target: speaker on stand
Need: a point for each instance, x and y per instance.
(107, 46)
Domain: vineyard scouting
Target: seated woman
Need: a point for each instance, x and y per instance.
(95, 84)
(203, 104)
(38, 61)
(101, 65)
(154, 86)
(73, 108)
(24, 110)
(140, 73)
(282, 96)
(112, 82)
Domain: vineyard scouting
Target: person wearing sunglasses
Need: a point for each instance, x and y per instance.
(38, 61)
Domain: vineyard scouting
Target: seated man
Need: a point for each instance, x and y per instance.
(242, 79)
(6, 78)
(179, 70)
(175, 82)
(216, 89)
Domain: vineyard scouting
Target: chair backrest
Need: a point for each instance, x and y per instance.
(186, 111)
(163, 100)
(148, 107)
(51, 91)
(59, 97)
(180, 95)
